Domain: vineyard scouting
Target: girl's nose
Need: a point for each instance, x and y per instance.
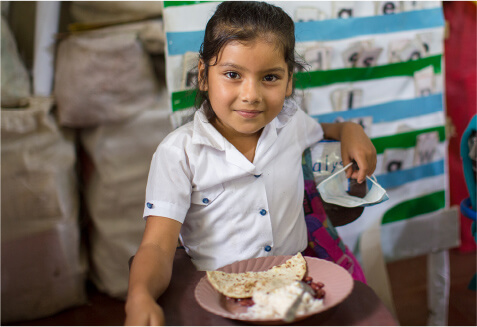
(250, 92)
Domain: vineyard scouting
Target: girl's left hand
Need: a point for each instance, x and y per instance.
(356, 145)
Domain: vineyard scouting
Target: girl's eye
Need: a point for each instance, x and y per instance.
(232, 75)
(270, 78)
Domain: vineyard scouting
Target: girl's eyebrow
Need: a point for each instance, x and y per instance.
(238, 67)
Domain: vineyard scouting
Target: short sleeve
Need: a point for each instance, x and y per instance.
(168, 190)
(312, 130)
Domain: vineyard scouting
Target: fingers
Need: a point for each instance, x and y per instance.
(349, 170)
(355, 145)
(360, 175)
(352, 170)
(366, 166)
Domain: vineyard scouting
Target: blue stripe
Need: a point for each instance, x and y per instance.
(337, 29)
(389, 111)
(179, 43)
(400, 177)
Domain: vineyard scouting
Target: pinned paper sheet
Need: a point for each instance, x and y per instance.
(413, 50)
(352, 53)
(388, 7)
(189, 71)
(426, 148)
(346, 98)
(350, 9)
(411, 5)
(368, 57)
(308, 13)
(397, 159)
(365, 122)
(424, 81)
(318, 57)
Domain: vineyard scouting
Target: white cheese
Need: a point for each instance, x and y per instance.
(275, 304)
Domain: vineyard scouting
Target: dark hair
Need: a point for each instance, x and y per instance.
(245, 21)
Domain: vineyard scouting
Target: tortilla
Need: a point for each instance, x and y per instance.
(243, 285)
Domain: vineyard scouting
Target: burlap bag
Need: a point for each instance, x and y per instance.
(42, 272)
(115, 190)
(114, 11)
(105, 75)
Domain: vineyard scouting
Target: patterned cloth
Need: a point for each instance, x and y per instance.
(323, 239)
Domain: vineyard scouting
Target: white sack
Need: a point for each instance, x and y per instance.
(42, 273)
(114, 11)
(121, 155)
(16, 85)
(104, 76)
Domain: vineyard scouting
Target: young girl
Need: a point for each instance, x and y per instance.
(230, 183)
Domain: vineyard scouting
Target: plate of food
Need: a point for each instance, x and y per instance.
(264, 290)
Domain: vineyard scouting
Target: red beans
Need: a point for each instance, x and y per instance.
(316, 286)
(320, 294)
(247, 302)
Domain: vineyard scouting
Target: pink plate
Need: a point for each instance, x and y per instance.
(338, 285)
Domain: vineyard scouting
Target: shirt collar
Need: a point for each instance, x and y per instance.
(205, 133)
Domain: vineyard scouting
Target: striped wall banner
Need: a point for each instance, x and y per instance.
(390, 111)
(182, 3)
(405, 140)
(185, 99)
(179, 43)
(336, 29)
(401, 177)
(325, 77)
(415, 207)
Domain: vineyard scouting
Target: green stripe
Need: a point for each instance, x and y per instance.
(418, 206)
(321, 78)
(405, 140)
(182, 3)
(183, 99)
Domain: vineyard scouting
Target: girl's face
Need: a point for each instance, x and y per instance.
(247, 87)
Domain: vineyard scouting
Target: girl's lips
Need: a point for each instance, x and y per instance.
(248, 114)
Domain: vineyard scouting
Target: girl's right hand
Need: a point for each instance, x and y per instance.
(151, 271)
(144, 312)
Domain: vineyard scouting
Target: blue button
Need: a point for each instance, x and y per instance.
(205, 200)
(149, 205)
(268, 248)
(263, 212)
(257, 176)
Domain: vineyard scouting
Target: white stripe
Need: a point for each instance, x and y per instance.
(195, 17)
(383, 41)
(350, 233)
(409, 154)
(318, 100)
(405, 125)
(188, 18)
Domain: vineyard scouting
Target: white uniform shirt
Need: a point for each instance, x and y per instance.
(230, 208)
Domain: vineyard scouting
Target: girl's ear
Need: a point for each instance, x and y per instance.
(201, 77)
(289, 90)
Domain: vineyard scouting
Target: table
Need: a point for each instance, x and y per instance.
(362, 307)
